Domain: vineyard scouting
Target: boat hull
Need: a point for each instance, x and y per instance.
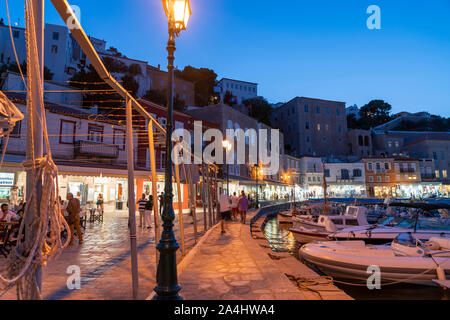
(306, 236)
(384, 237)
(355, 268)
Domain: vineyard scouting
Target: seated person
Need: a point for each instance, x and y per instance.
(6, 215)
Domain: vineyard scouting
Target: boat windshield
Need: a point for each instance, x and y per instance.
(386, 221)
(406, 239)
(407, 223)
(425, 224)
(434, 224)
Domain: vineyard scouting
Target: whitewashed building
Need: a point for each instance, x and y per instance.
(90, 152)
(242, 90)
(345, 180)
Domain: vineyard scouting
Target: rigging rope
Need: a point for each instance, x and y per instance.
(28, 256)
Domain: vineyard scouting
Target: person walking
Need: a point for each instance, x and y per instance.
(74, 208)
(243, 207)
(161, 203)
(234, 206)
(141, 206)
(225, 210)
(148, 212)
(99, 202)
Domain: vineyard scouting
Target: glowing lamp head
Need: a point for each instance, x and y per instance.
(226, 145)
(178, 12)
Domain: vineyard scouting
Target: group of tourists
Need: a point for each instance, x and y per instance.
(145, 211)
(230, 207)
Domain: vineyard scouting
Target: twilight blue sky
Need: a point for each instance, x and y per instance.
(319, 49)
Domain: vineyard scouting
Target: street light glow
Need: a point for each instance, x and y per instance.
(178, 12)
(226, 145)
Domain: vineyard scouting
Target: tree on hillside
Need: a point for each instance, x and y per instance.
(130, 84)
(352, 122)
(48, 75)
(115, 52)
(228, 99)
(204, 80)
(260, 109)
(433, 124)
(114, 65)
(87, 79)
(373, 114)
(160, 97)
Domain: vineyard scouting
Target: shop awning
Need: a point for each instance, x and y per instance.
(105, 172)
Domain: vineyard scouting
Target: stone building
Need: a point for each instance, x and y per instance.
(313, 127)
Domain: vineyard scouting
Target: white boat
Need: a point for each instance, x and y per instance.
(311, 228)
(423, 229)
(406, 260)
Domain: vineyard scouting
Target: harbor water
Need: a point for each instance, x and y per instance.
(282, 240)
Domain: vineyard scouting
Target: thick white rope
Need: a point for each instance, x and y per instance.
(47, 242)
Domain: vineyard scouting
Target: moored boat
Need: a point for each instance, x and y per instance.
(406, 260)
(424, 225)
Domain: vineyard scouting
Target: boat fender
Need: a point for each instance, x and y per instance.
(432, 245)
(440, 273)
(369, 234)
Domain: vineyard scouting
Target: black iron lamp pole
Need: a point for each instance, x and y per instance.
(167, 279)
(257, 187)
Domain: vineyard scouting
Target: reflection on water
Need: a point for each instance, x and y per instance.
(279, 236)
(282, 240)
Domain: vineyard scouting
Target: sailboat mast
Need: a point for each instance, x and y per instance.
(324, 189)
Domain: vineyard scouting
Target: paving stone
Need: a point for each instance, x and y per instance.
(104, 260)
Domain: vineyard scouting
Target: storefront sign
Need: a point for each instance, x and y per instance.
(6, 179)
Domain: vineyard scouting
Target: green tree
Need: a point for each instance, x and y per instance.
(88, 79)
(373, 114)
(160, 97)
(432, 124)
(260, 109)
(227, 98)
(115, 52)
(352, 122)
(130, 84)
(204, 80)
(114, 65)
(48, 75)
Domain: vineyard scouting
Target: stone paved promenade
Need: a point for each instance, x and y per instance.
(104, 260)
(232, 266)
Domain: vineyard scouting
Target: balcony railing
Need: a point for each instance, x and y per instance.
(96, 149)
(409, 170)
(345, 179)
(429, 176)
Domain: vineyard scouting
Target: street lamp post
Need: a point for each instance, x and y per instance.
(257, 172)
(227, 146)
(178, 13)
